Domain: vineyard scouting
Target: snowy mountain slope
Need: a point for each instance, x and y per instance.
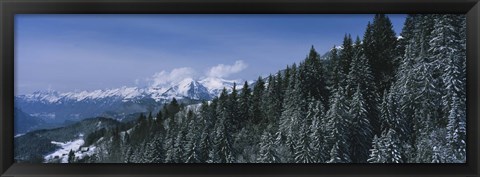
(188, 88)
(56, 142)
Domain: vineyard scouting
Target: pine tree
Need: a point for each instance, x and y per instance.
(380, 45)
(303, 152)
(154, 151)
(337, 75)
(244, 105)
(205, 145)
(192, 146)
(71, 157)
(274, 99)
(292, 114)
(361, 76)
(312, 77)
(256, 111)
(178, 148)
(338, 121)
(223, 151)
(360, 130)
(386, 149)
(268, 152)
(318, 134)
(377, 153)
(347, 53)
(169, 147)
(456, 132)
(392, 147)
(335, 155)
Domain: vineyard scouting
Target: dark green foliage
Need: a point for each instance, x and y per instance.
(71, 157)
(380, 46)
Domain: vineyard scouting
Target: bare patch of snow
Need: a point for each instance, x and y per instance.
(65, 148)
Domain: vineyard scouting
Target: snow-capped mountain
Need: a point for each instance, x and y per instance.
(53, 106)
(188, 88)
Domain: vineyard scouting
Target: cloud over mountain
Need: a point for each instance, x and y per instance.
(222, 70)
(176, 75)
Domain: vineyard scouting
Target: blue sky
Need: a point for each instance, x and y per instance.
(88, 52)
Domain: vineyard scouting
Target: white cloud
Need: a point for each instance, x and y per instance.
(165, 78)
(175, 76)
(221, 70)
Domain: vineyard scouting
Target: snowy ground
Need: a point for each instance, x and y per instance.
(65, 147)
(19, 135)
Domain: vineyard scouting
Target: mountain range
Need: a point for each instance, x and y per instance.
(55, 108)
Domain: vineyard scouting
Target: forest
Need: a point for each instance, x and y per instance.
(381, 98)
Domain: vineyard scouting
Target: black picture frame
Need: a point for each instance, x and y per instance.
(9, 8)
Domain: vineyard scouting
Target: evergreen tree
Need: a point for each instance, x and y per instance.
(392, 147)
(317, 137)
(192, 143)
(335, 155)
(361, 76)
(268, 152)
(311, 77)
(274, 99)
(178, 148)
(71, 157)
(154, 151)
(244, 105)
(456, 132)
(338, 121)
(347, 53)
(303, 152)
(223, 150)
(360, 129)
(205, 145)
(386, 149)
(377, 153)
(337, 74)
(256, 106)
(380, 49)
(232, 110)
(292, 115)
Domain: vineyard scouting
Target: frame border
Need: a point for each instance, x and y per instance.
(8, 9)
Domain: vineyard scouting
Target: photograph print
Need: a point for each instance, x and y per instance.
(224, 88)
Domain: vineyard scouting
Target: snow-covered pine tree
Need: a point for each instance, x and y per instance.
(256, 106)
(244, 105)
(178, 148)
(361, 76)
(338, 121)
(393, 152)
(222, 151)
(274, 100)
(317, 137)
(312, 78)
(379, 44)
(360, 129)
(335, 155)
(153, 152)
(268, 152)
(347, 53)
(336, 75)
(168, 146)
(377, 153)
(303, 152)
(205, 145)
(71, 157)
(192, 141)
(456, 132)
(446, 50)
